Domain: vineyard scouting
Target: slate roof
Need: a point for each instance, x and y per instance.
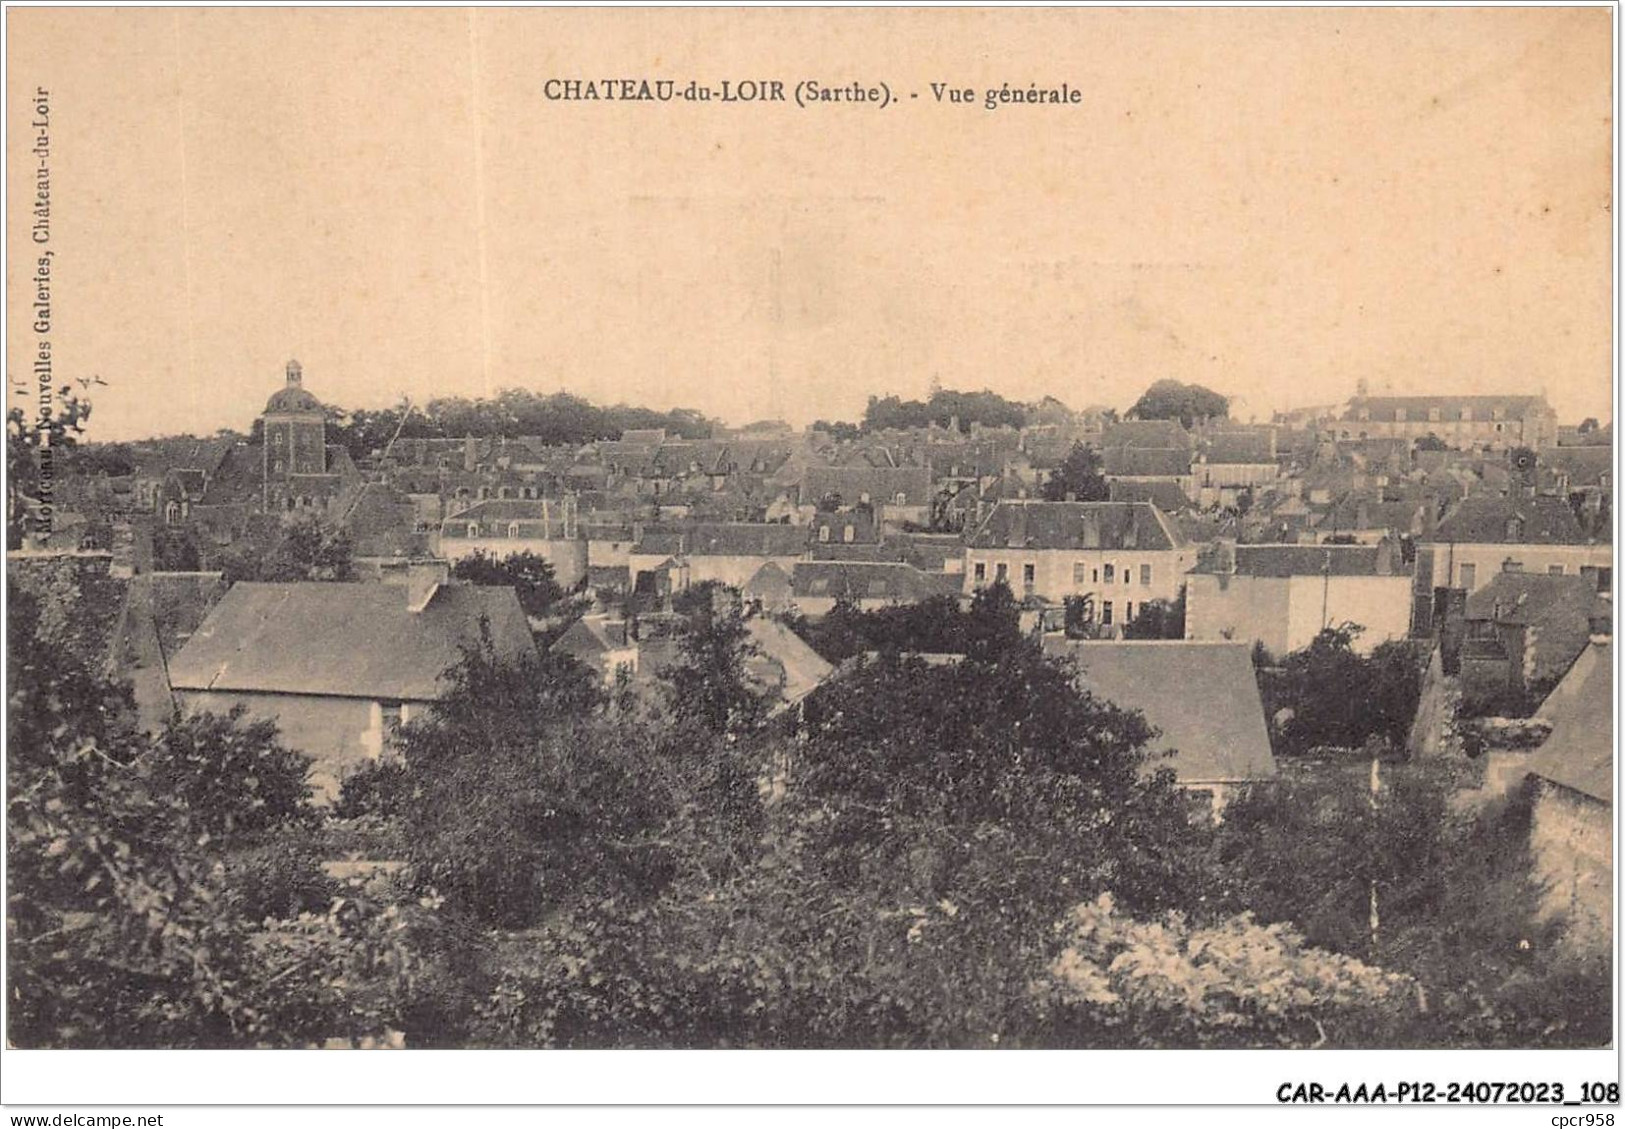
(347, 640)
(1530, 597)
(1202, 698)
(1146, 462)
(1075, 525)
(1302, 560)
(1162, 433)
(1240, 448)
(725, 539)
(1579, 754)
(869, 580)
(784, 659)
(881, 484)
(1581, 466)
(1485, 519)
(1166, 496)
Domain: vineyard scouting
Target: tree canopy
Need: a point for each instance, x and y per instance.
(1078, 478)
(1188, 403)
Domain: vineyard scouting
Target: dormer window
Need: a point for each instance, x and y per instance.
(1467, 415)
(1433, 415)
(1364, 414)
(823, 533)
(473, 529)
(276, 438)
(513, 529)
(1514, 529)
(901, 499)
(1399, 415)
(849, 534)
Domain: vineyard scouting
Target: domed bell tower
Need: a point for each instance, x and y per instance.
(295, 440)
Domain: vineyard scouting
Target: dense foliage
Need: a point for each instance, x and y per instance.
(157, 895)
(278, 553)
(529, 575)
(1332, 696)
(558, 418)
(943, 408)
(1078, 478)
(1188, 403)
(1456, 904)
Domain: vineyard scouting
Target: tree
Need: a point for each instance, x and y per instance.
(1458, 908)
(529, 575)
(1188, 403)
(233, 775)
(1078, 478)
(302, 551)
(1338, 698)
(709, 685)
(1158, 619)
(32, 448)
(126, 919)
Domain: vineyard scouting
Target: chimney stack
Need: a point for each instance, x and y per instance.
(421, 577)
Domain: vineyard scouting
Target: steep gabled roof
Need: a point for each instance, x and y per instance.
(1530, 597)
(1492, 519)
(347, 640)
(1579, 754)
(1162, 433)
(1075, 525)
(1202, 698)
(1146, 462)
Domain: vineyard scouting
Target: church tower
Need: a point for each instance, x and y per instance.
(295, 438)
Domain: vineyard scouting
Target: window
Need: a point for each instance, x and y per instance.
(1128, 612)
(1514, 529)
(1467, 415)
(1029, 574)
(849, 534)
(823, 533)
(1145, 576)
(513, 529)
(1001, 573)
(1467, 575)
(276, 438)
(979, 572)
(1433, 415)
(1554, 570)
(863, 498)
(901, 499)
(1399, 415)
(1128, 574)
(1111, 574)
(820, 586)
(172, 513)
(473, 529)
(1106, 612)
(1510, 565)
(1080, 575)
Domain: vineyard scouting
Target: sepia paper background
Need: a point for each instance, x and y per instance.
(1273, 202)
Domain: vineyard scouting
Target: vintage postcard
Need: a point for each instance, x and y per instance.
(810, 529)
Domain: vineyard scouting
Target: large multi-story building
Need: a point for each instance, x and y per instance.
(1466, 422)
(1116, 555)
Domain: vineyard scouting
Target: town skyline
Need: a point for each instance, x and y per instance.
(396, 203)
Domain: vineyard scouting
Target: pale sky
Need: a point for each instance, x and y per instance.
(1275, 203)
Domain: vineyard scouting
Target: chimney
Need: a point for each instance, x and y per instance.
(1385, 557)
(1602, 621)
(421, 577)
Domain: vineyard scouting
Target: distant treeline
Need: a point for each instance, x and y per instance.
(558, 418)
(943, 408)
